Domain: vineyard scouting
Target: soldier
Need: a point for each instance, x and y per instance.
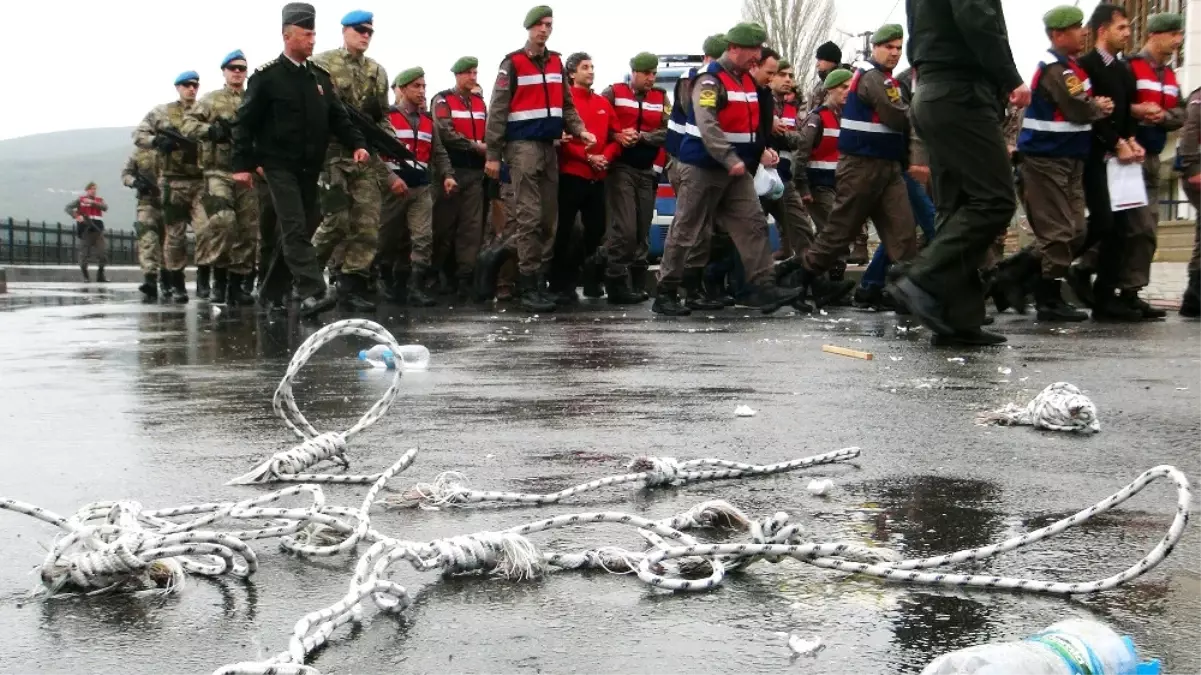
(713, 47)
(630, 187)
(461, 117)
(283, 127)
(829, 56)
(408, 216)
(350, 194)
(141, 174)
(788, 210)
(817, 154)
(88, 211)
(1188, 163)
(530, 109)
(231, 208)
(872, 148)
(715, 186)
(181, 183)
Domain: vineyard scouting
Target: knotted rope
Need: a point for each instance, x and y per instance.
(1059, 407)
(450, 488)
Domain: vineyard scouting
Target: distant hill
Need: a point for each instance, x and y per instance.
(39, 174)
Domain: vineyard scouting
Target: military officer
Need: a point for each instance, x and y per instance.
(141, 174)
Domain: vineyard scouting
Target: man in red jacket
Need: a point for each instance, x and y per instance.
(582, 172)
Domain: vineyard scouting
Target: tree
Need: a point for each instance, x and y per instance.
(794, 27)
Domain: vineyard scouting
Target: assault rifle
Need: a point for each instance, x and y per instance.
(176, 138)
(144, 187)
(378, 140)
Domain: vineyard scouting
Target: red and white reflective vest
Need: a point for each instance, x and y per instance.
(536, 109)
(660, 162)
(468, 121)
(1045, 130)
(738, 119)
(420, 141)
(89, 207)
(787, 116)
(640, 114)
(823, 160)
(1151, 89)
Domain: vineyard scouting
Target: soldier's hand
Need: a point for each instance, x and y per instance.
(1140, 153)
(480, 147)
(244, 178)
(628, 137)
(492, 169)
(920, 174)
(398, 186)
(1020, 97)
(1125, 152)
(807, 198)
(588, 138)
(1104, 104)
(778, 127)
(361, 156)
(738, 169)
(449, 184)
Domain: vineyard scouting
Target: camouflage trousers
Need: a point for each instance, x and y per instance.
(231, 235)
(350, 204)
(182, 203)
(150, 237)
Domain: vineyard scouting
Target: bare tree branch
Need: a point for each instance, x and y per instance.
(795, 28)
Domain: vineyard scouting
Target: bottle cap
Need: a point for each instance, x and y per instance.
(362, 354)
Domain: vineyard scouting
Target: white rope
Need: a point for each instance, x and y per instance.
(450, 488)
(315, 447)
(1059, 407)
(510, 554)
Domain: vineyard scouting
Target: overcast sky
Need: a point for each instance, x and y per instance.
(107, 64)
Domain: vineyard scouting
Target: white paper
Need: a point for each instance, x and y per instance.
(1126, 187)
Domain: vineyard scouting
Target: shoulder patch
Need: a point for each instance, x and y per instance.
(267, 65)
(1075, 86)
(707, 98)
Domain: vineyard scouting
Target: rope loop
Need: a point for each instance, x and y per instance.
(660, 471)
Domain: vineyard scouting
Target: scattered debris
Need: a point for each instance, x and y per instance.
(957, 359)
(820, 486)
(804, 647)
(843, 351)
(1059, 407)
(744, 411)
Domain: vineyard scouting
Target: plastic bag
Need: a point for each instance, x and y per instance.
(768, 183)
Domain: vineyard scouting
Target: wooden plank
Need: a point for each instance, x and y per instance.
(843, 351)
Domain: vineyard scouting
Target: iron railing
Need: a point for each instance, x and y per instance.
(29, 243)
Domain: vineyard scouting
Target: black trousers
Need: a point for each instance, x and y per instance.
(291, 257)
(585, 198)
(972, 177)
(1106, 227)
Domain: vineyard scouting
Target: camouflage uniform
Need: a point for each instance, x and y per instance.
(145, 163)
(350, 192)
(181, 184)
(232, 208)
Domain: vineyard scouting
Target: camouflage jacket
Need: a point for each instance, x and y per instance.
(361, 83)
(144, 163)
(1012, 126)
(179, 163)
(213, 106)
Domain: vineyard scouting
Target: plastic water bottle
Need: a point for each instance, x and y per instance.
(379, 356)
(414, 357)
(1065, 648)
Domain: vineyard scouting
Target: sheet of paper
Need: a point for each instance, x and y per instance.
(1126, 187)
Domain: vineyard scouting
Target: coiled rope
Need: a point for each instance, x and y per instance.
(450, 488)
(1059, 407)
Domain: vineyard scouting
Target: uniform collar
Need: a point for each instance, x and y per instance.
(351, 56)
(231, 90)
(877, 66)
(1146, 55)
(407, 109)
(303, 65)
(725, 62)
(529, 51)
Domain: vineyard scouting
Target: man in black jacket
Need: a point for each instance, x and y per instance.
(283, 127)
(1110, 76)
(965, 73)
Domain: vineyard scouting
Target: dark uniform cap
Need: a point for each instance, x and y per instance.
(837, 77)
(465, 64)
(715, 45)
(747, 35)
(300, 14)
(829, 51)
(407, 76)
(1165, 22)
(887, 33)
(1063, 16)
(644, 62)
(537, 14)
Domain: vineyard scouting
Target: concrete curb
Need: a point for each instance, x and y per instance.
(44, 274)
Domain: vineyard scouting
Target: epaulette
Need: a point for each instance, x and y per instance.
(318, 66)
(267, 65)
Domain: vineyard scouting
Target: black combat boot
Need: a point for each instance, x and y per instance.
(786, 272)
(770, 297)
(638, 281)
(1080, 280)
(530, 295)
(149, 287)
(1144, 308)
(715, 289)
(83, 267)
(667, 300)
(100, 275)
(387, 284)
(179, 286)
(823, 291)
(1049, 302)
(618, 290)
(203, 290)
(695, 296)
(220, 281)
(869, 297)
(592, 275)
(563, 292)
(416, 296)
(235, 292)
(164, 283)
(464, 286)
(1190, 304)
(352, 294)
(487, 270)
(1107, 306)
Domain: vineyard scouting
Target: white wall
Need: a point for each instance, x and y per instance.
(1191, 77)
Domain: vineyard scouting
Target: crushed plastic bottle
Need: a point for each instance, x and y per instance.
(1065, 648)
(412, 357)
(379, 356)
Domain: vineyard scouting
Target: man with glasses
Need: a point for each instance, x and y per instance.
(232, 209)
(181, 183)
(350, 193)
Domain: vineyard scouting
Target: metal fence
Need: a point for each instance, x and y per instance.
(29, 243)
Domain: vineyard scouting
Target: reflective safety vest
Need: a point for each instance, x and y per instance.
(660, 162)
(862, 132)
(1151, 89)
(788, 115)
(738, 117)
(89, 208)
(536, 109)
(678, 120)
(420, 141)
(1045, 132)
(468, 121)
(823, 160)
(640, 114)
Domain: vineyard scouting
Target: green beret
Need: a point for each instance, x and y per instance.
(1063, 16)
(887, 33)
(837, 77)
(407, 76)
(644, 62)
(747, 35)
(537, 14)
(1165, 23)
(465, 64)
(715, 45)
(783, 65)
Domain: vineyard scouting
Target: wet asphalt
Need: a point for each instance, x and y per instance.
(103, 397)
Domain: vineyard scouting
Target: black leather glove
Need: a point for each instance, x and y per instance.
(164, 144)
(218, 132)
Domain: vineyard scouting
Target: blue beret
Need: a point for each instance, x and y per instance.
(233, 56)
(187, 76)
(357, 17)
